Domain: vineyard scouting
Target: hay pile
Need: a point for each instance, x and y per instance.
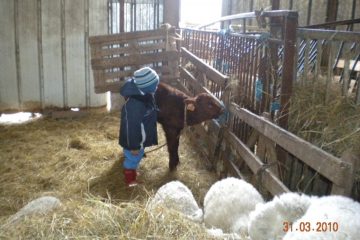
(79, 162)
(333, 126)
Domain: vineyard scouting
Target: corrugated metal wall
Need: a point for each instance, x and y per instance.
(44, 53)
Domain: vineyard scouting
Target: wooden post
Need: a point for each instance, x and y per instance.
(347, 174)
(291, 23)
(275, 4)
(331, 11)
(172, 12)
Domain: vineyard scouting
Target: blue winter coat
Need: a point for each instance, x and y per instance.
(138, 118)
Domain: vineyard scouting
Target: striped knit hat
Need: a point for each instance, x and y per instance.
(146, 79)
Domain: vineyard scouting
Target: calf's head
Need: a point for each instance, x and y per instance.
(202, 107)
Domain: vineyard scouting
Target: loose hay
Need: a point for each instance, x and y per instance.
(96, 218)
(79, 162)
(333, 125)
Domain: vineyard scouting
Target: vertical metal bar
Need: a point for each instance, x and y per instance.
(263, 75)
(158, 14)
(288, 69)
(241, 69)
(86, 53)
(246, 47)
(203, 47)
(357, 97)
(155, 13)
(131, 16)
(122, 16)
(40, 54)
(135, 17)
(252, 74)
(255, 73)
(63, 53)
(353, 13)
(308, 19)
(209, 48)
(17, 54)
(110, 17)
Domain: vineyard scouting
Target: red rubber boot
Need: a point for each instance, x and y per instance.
(130, 178)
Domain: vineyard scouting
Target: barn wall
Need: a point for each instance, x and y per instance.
(45, 53)
(317, 10)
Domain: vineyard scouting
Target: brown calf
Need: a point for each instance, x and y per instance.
(171, 116)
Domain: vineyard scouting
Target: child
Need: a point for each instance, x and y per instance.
(138, 120)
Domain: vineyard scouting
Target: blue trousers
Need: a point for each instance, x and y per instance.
(132, 161)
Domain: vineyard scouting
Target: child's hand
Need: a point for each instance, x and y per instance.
(135, 152)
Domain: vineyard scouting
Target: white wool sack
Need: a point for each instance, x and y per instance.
(228, 203)
(177, 196)
(266, 221)
(328, 211)
(41, 205)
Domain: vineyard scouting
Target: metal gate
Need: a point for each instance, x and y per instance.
(134, 15)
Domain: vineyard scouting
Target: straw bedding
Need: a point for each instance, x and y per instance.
(79, 162)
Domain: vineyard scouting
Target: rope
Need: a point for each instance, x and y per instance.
(157, 148)
(185, 116)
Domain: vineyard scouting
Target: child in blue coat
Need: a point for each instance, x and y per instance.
(138, 120)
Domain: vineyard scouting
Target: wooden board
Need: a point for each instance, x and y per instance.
(270, 181)
(341, 64)
(329, 166)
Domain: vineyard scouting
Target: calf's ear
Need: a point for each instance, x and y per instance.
(190, 104)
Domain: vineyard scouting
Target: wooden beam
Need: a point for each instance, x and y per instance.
(288, 70)
(128, 36)
(328, 35)
(185, 74)
(326, 164)
(269, 180)
(172, 12)
(210, 72)
(136, 59)
(331, 11)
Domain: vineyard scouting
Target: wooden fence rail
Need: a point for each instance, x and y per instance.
(258, 154)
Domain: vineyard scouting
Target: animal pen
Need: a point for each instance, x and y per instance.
(253, 72)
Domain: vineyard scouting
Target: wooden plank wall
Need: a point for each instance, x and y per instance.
(115, 57)
(45, 53)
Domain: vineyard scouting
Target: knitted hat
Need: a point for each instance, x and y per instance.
(146, 79)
